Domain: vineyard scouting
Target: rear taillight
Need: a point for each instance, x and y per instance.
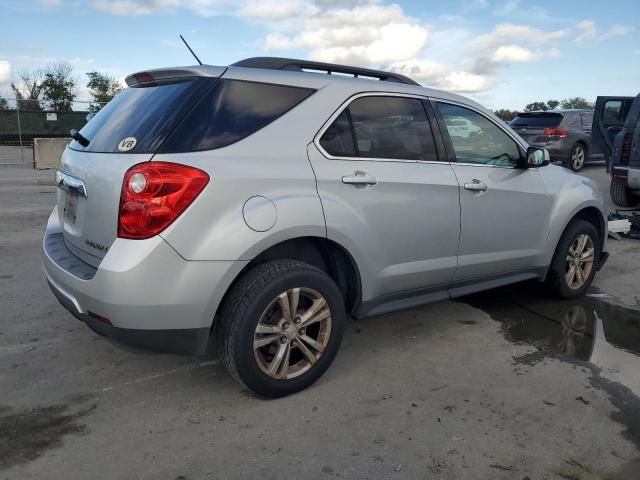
(154, 194)
(625, 149)
(555, 132)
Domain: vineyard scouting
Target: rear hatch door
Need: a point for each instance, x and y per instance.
(127, 131)
(531, 125)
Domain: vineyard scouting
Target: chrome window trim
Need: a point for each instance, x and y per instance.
(344, 105)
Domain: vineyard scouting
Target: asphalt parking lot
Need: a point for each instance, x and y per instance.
(506, 384)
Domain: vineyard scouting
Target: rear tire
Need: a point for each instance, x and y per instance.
(622, 195)
(577, 157)
(257, 310)
(572, 268)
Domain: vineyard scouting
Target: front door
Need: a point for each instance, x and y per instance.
(504, 208)
(609, 117)
(385, 195)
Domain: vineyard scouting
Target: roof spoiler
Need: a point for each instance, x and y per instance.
(150, 77)
(277, 63)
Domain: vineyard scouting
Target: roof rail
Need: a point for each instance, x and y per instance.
(277, 63)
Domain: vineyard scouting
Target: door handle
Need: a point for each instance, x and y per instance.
(476, 186)
(359, 178)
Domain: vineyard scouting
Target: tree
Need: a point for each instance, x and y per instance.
(4, 105)
(552, 104)
(103, 88)
(576, 102)
(28, 92)
(58, 86)
(534, 106)
(505, 114)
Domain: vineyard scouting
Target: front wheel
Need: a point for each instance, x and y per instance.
(280, 327)
(575, 260)
(577, 157)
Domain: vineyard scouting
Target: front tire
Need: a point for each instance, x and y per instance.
(575, 260)
(577, 157)
(280, 327)
(622, 195)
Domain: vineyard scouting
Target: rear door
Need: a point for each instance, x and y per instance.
(504, 208)
(609, 117)
(586, 121)
(386, 196)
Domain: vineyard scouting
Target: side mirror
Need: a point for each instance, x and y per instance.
(537, 157)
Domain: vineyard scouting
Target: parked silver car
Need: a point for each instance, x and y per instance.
(566, 134)
(255, 206)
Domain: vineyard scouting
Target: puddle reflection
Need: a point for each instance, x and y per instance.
(586, 328)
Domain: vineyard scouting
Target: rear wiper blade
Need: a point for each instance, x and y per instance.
(78, 137)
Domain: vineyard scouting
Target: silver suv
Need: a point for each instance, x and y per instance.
(254, 207)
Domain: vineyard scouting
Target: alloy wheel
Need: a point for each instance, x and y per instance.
(577, 157)
(579, 261)
(292, 333)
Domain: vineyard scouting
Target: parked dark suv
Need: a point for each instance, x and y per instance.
(616, 129)
(566, 134)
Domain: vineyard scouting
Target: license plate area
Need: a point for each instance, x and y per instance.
(70, 207)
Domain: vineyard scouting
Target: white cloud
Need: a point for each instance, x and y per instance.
(513, 53)
(508, 33)
(585, 30)
(5, 71)
(364, 34)
(617, 31)
(438, 75)
(144, 7)
(269, 10)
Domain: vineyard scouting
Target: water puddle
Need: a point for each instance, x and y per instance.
(587, 329)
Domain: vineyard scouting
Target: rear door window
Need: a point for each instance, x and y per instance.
(384, 127)
(230, 111)
(338, 138)
(587, 120)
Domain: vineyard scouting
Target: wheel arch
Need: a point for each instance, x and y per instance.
(321, 252)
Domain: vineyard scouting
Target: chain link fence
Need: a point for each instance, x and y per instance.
(23, 120)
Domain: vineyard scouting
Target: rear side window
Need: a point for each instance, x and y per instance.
(230, 111)
(384, 127)
(536, 120)
(144, 113)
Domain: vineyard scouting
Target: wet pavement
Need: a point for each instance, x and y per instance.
(592, 328)
(507, 384)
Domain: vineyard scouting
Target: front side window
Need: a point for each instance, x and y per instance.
(384, 127)
(476, 139)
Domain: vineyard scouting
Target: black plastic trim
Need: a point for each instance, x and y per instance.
(57, 249)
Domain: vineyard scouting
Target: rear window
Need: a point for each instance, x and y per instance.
(186, 116)
(537, 120)
(146, 114)
(230, 111)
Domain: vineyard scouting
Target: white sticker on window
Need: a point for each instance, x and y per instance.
(127, 144)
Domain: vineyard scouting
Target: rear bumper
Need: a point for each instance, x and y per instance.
(150, 297)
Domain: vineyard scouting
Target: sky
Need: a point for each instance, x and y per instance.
(502, 53)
